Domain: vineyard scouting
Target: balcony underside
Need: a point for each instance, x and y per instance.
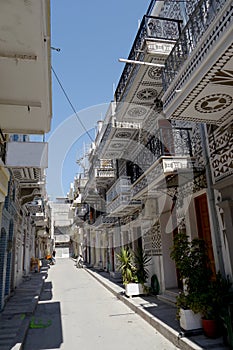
(105, 181)
(202, 90)
(27, 155)
(105, 222)
(117, 139)
(25, 86)
(139, 93)
(28, 194)
(94, 199)
(125, 208)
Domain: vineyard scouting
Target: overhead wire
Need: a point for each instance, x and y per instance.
(71, 104)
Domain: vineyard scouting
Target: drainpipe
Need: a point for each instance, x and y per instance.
(211, 196)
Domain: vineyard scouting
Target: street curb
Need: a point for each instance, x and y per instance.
(168, 332)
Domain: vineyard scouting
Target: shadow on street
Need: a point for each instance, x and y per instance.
(47, 291)
(45, 331)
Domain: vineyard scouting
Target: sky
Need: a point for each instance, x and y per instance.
(91, 36)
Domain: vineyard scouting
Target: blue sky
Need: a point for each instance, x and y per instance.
(92, 36)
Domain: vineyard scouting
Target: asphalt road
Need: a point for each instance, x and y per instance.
(77, 312)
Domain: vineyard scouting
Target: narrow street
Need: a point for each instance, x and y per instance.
(77, 312)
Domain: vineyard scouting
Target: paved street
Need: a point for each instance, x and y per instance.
(77, 312)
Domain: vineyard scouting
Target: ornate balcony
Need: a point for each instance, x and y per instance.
(101, 174)
(2, 147)
(25, 86)
(198, 72)
(119, 202)
(80, 214)
(104, 170)
(27, 161)
(37, 211)
(104, 221)
(171, 160)
(27, 154)
(81, 210)
(142, 85)
(116, 139)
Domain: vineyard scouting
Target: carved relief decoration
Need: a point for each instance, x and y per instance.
(221, 151)
(152, 240)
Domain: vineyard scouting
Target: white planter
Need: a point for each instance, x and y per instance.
(189, 320)
(133, 289)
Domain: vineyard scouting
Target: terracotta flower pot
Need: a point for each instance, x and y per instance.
(210, 328)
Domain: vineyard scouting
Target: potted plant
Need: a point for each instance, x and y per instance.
(193, 265)
(211, 304)
(127, 267)
(133, 270)
(141, 260)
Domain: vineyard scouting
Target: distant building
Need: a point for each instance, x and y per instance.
(61, 226)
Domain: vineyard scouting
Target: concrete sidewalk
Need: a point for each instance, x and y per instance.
(16, 316)
(160, 315)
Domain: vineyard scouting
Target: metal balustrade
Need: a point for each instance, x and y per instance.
(121, 186)
(199, 21)
(104, 220)
(2, 147)
(151, 28)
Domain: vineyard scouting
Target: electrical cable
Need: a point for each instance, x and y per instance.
(70, 103)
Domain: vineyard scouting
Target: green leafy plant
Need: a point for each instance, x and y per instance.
(133, 266)
(127, 267)
(203, 293)
(211, 303)
(141, 262)
(194, 269)
(192, 262)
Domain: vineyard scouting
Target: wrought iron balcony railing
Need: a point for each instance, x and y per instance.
(102, 168)
(170, 149)
(121, 203)
(119, 198)
(171, 141)
(2, 147)
(104, 173)
(81, 210)
(199, 21)
(104, 220)
(151, 28)
(121, 186)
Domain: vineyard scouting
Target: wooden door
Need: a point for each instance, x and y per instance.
(203, 226)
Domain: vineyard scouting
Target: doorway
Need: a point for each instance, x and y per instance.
(203, 227)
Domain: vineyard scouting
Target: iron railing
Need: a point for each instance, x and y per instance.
(169, 141)
(104, 220)
(82, 210)
(199, 21)
(121, 186)
(2, 147)
(151, 28)
(166, 142)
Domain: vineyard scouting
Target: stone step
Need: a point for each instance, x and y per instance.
(169, 296)
(5, 342)
(173, 292)
(7, 336)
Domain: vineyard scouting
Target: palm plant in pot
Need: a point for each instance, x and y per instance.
(126, 266)
(133, 270)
